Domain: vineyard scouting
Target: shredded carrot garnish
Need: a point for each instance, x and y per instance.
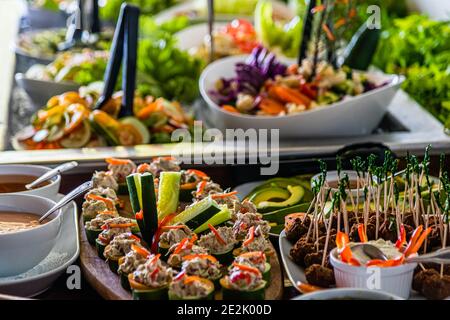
(115, 161)
(328, 32)
(223, 195)
(217, 234)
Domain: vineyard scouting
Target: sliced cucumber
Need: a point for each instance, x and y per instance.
(230, 294)
(140, 128)
(219, 218)
(109, 136)
(150, 213)
(133, 191)
(79, 138)
(198, 213)
(168, 193)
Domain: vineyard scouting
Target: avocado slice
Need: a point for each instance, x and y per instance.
(268, 194)
(296, 195)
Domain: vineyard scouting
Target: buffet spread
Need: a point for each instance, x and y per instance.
(110, 86)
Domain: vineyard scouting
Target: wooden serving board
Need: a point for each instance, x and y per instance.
(107, 283)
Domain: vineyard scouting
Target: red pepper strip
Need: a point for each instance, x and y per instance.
(139, 215)
(306, 287)
(108, 202)
(180, 275)
(413, 240)
(140, 250)
(223, 195)
(200, 187)
(251, 232)
(419, 242)
(192, 240)
(154, 273)
(386, 263)
(217, 234)
(179, 226)
(121, 225)
(341, 240)
(401, 237)
(244, 267)
(347, 257)
(188, 186)
(199, 173)
(144, 167)
(115, 161)
(180, 246)
(362, 233)
(164, 221)
(102, 238)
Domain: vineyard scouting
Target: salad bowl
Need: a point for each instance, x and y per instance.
(355, 115)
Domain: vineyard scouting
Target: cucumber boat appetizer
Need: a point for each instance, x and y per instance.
(93, 227)
(203, 265)
(130, 262)
(256, 259)
(172, 235)
(150, 281)
(185, 287)
(118, 247)
(243, 283)
(112, 228)
(185, 247)
(219, 242)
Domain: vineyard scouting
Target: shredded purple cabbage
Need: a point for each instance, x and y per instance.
(260, 66)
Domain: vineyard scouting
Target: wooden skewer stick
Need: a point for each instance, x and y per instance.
(444, 243)
(327, 239)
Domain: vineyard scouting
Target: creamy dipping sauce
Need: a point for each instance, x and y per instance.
(10, 183)
(387, 247)
(18, 221)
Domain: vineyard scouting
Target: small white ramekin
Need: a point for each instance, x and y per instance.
(395, 280)
(49, 191)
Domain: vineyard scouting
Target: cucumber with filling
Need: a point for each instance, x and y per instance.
(198, 213)
(139, 128)
(296, 196)
(124, 280)
(231, 294)
(217, 219)
(168, 193)
(268, 194)
(113, 264)
(266, 273)
(100, 246)
(92, 234)
(142, 292)
(226, 257)
(209, 296)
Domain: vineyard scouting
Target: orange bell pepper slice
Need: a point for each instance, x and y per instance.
(341, 240)
(419, 242)
(217, 234)
(140, 250)
(108, 202)
(244, 267)
(307, 288)
(188, 186)
(223, 195)
(115, 161)
(139, 215)
(288, 95)
(415, 236)
(271, 106)
(250, 239)
(401, 237)
(386, 263)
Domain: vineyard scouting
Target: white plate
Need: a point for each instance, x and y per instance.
(354, 116)
(193, 36)
(40, 280)
(296, 273)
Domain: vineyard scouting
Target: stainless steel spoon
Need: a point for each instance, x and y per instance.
(369, 250)
(69, 197)
(50, 174)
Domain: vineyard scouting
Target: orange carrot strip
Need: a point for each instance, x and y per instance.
(223, 195)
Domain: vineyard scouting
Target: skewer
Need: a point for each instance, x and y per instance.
(444, 243)
(327, 239)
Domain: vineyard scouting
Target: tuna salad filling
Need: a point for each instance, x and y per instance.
(256, 259)
(174, 234)
(202, 265)
(255, 240)
(181, 249)
(163, 164)
(103, 179)
(191, 287)
(244, 221)
(98, 221)
(153, 273)
(131, 261)
(219, 240)
(120, 245)
(245, 278)
(115, 226)
(107, 193)
(121, 170)
(91, 208)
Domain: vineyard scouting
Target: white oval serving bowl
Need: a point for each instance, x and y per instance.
(348, 294)
(49, 191)
(22, 250)
(395, 280)
(357, 115)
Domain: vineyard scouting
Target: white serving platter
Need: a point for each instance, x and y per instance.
(40, 278)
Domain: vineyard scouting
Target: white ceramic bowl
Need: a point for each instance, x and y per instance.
(357, 115)
(40, 91)
(22, 250)
(49, 191)
(394, 280)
